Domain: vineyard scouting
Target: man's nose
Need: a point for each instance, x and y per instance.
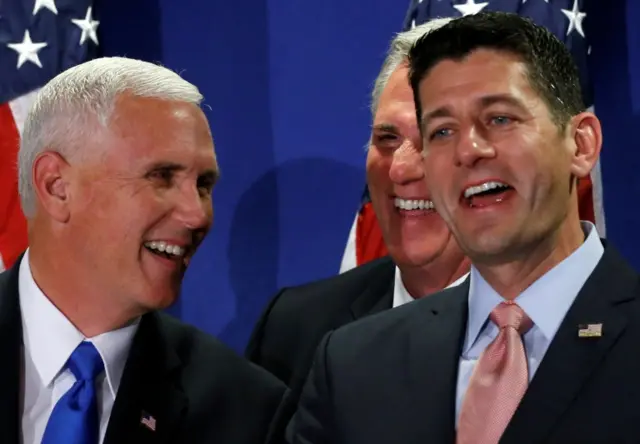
(407, 164)
(472, 146)
(193, 209)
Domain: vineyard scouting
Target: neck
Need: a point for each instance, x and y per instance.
(511, 278)
(80, 302)
(424, 280)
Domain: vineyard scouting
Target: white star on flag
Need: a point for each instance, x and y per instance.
(525, 1)
(88, 26)
(27, 50)
(575, 17)
(49, 4)
(471, 7)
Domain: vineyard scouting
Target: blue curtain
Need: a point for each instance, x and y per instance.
(287, 83)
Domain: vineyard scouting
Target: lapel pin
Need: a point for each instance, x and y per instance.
(148, 421)
(590, 330)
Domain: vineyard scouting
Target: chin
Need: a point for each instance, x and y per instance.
(158, 300)
(488, 248)
(417, 258)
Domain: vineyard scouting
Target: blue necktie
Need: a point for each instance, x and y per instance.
(74, 419)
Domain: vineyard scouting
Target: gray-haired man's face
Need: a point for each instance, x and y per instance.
(143, 209)
(413, 231)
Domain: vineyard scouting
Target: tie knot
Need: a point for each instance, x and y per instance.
(85, 362)
(509, 314)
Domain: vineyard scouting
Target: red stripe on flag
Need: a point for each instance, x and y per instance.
(13, 227)
(585, 199)
(369, 242)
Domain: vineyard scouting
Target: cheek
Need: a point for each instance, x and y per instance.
(436, 169)
(377, 170)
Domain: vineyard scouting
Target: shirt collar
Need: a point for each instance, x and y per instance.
(548, 299)
(400, 294)
(50, 338)
(114, 348)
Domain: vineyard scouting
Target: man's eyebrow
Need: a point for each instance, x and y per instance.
(501, 98)
(164, 165)
(211, 175)
(485, 102)
(386, 127)
(431, 115)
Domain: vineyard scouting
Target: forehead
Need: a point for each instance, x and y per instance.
(396, 99)
(149, 128)
(480, 73)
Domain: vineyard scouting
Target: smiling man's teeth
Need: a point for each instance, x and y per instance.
(413, 204)
(164, 247)
(472, 191)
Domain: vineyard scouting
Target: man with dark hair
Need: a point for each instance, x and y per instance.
(505, 138)
(549, 66)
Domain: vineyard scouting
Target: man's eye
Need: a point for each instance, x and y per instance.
(501, 120)
(162, 175)
(205, 186)
(440, 133)
(386, 137)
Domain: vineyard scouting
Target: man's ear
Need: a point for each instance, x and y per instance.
(51, 184)
(587, 138)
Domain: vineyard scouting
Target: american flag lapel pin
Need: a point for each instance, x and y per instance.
(590, 330)
(148, 421)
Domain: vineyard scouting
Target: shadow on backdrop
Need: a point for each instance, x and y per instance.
(260, 242)
(252, 255)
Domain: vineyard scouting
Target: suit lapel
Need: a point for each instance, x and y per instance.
(378, 295)
(149, 406)
(437, 333)
(11, 351)
(570, 360)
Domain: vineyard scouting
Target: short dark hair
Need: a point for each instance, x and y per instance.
(551, 69)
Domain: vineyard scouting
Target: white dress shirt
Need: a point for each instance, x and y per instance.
(546, 302)
(49, 338)
(400, 294)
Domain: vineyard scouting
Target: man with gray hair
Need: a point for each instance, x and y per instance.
(424, 257)
(116, 171)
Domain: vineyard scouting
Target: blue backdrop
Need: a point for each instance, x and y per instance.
(287, 83)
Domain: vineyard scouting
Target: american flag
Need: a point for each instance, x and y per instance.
(567, 20)
(148, 421)
(38, 40)
(590, 331)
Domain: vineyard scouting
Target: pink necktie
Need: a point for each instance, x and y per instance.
(499, 380)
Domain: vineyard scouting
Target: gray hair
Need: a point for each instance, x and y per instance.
(397, 55)
(80, 101)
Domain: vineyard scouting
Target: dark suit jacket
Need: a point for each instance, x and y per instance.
(288, 332)
(391, 378)
(197, 389)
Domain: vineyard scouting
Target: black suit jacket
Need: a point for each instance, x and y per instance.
(290, 329)
(391, 378)
(197, 389)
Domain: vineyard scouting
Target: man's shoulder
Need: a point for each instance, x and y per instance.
(341, 289)
(204, 356)
(214, 378)
(391, 328)
(296, 319)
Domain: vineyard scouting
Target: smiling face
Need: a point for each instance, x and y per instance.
(499, 169)
(148, 190)
(413, 232)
